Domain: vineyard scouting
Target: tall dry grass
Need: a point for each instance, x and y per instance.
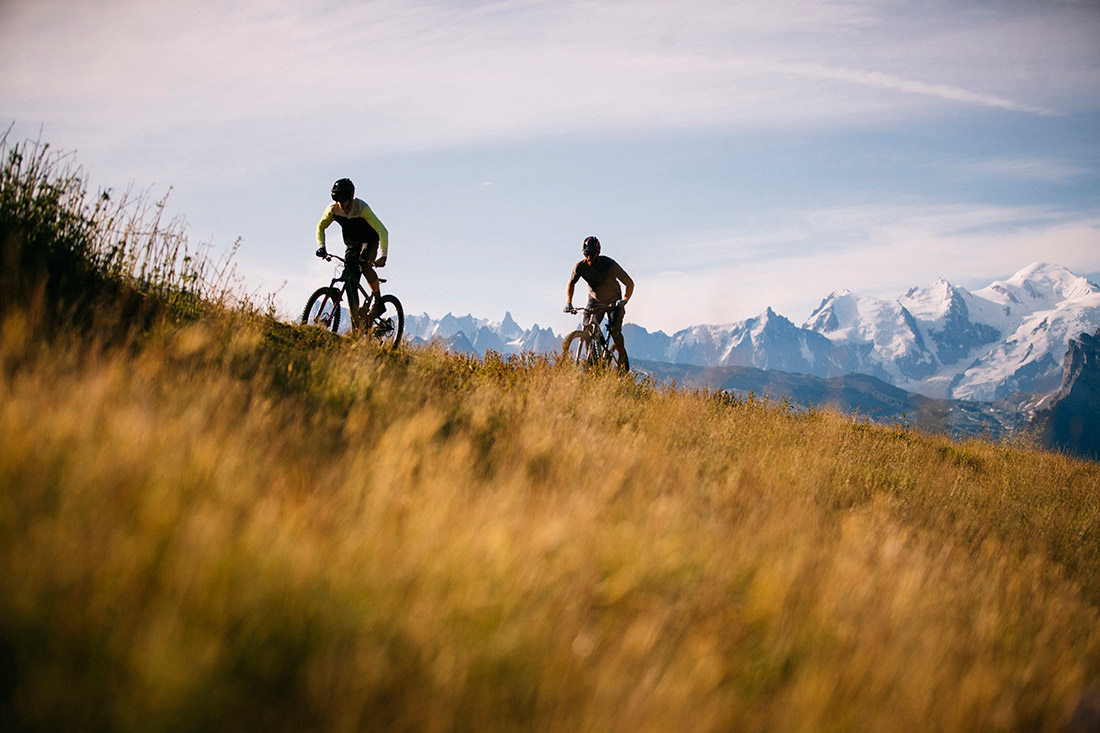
(68, 251)
(241, 525)
(211, 520)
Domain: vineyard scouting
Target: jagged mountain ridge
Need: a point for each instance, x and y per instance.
(941, 341)
(466, 334)
(768, 341)
(945, 341)
(1069, 419)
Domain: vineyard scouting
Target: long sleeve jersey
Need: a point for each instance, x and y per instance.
(361, 227)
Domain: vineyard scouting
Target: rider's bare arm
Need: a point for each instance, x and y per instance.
(628, 283)
(569, 290)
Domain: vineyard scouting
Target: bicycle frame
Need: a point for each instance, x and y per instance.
(368, 296)
(381, 317)
(601, 336)
(599, 339)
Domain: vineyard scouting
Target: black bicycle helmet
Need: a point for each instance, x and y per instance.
(591, 246)
(343, 190)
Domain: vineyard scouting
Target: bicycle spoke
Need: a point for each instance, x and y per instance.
(389, 325)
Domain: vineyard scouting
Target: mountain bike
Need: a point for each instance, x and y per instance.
(324, 306)
(592, 346)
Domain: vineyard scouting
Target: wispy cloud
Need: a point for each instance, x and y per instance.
(790, 263)
(1036, 169)
(207, 95)
(890, 82)
(415, 74)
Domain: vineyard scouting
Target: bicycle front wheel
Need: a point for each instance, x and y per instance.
(323, 309)
(389, 326)
(577, 348)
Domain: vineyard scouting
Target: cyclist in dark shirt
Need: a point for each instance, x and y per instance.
(364, 234)
(603, 276)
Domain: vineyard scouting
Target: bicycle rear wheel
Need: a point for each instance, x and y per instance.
(618, 360)
(323, 309)
(389, 326)
(577, 348)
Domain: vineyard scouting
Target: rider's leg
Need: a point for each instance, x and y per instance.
(616, 328)
(617, 337)
(369, 254)
(593, 316)
(375, 289)
(351, 277)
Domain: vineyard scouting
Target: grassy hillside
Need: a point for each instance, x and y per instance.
(215, 520)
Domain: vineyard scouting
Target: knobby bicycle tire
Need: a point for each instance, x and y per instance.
(577, 348)
(323, 309)
(389, 327)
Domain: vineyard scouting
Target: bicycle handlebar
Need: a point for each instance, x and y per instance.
(597, 309)
(329, 257)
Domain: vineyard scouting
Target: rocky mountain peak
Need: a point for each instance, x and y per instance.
(1069, 419)
(939, 340)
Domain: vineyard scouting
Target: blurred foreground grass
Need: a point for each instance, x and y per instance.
(218, 521)
(223, 526)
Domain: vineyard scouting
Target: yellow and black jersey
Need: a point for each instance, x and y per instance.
(359, 225)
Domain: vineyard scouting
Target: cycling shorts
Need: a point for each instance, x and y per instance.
(614, 314)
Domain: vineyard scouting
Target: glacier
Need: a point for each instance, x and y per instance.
(939, 340)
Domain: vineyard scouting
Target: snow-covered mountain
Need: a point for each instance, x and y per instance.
(466, 334)
(768, 341)
(1039, 310)
(883, 336)
(941, 340)
(944, 341)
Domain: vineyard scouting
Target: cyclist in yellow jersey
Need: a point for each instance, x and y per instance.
(603, 276)
(364, 235)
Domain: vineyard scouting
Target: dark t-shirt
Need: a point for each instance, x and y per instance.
(602, 278)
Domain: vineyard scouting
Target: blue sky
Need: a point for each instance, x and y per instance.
(730, 155)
